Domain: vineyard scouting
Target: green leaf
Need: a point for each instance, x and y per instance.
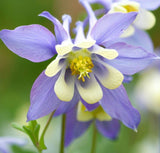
(18, 127)
(36, 131)
(32, 130)
(30, 133)
(20, 149)
(31, 125)
(42, 144)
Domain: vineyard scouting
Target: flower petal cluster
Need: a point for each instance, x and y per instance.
(79, 119)
(145, 18)
(89, 68)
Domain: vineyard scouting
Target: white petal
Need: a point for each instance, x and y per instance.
(86, 44)
(124, 7)
(110, 79)
(117, 8)
(103, 116)
(64, 90)
(145, 19)
(64, 48)
(53, 68)
(82, 114)
(91, 92)
(128, 32)
(107, 53)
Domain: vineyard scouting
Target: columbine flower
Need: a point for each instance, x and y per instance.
(133, 35)
(6, 142)
(144, 20)
(88, 69)
(79, 119)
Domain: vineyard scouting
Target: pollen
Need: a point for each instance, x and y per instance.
(81, 66)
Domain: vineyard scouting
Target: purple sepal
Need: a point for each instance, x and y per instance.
(65, 107)
(149, 4)
(117, 105)
(33, 42)
(74, 128)
(111, 26)
(90, 107)
(139, 39)
(60, 32)
(131, 59)
(127, 79)
(109, 129)
(43, 98)
(105, 3)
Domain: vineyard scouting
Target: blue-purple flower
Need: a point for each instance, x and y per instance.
(89, 68)
(7, 142)
(145, 18)
(134, 35)
(79, 119)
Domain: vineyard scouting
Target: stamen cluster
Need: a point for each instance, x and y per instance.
(81, 66)
(131, 8)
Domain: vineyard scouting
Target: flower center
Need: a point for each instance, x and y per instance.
(125, 7)
(81, 64)
(131, 8)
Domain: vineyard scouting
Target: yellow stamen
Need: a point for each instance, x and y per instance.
(131, 8)
(82, 66)
(125, 7)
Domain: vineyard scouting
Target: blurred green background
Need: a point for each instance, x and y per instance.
(17, 76)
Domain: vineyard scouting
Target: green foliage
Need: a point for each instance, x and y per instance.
(17, 149)
(32, 130)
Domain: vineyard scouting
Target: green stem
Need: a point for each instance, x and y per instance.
(47, 124)
(62, 133)
(38, 148)
(41, 140)
(93, 148)
(39, 151)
